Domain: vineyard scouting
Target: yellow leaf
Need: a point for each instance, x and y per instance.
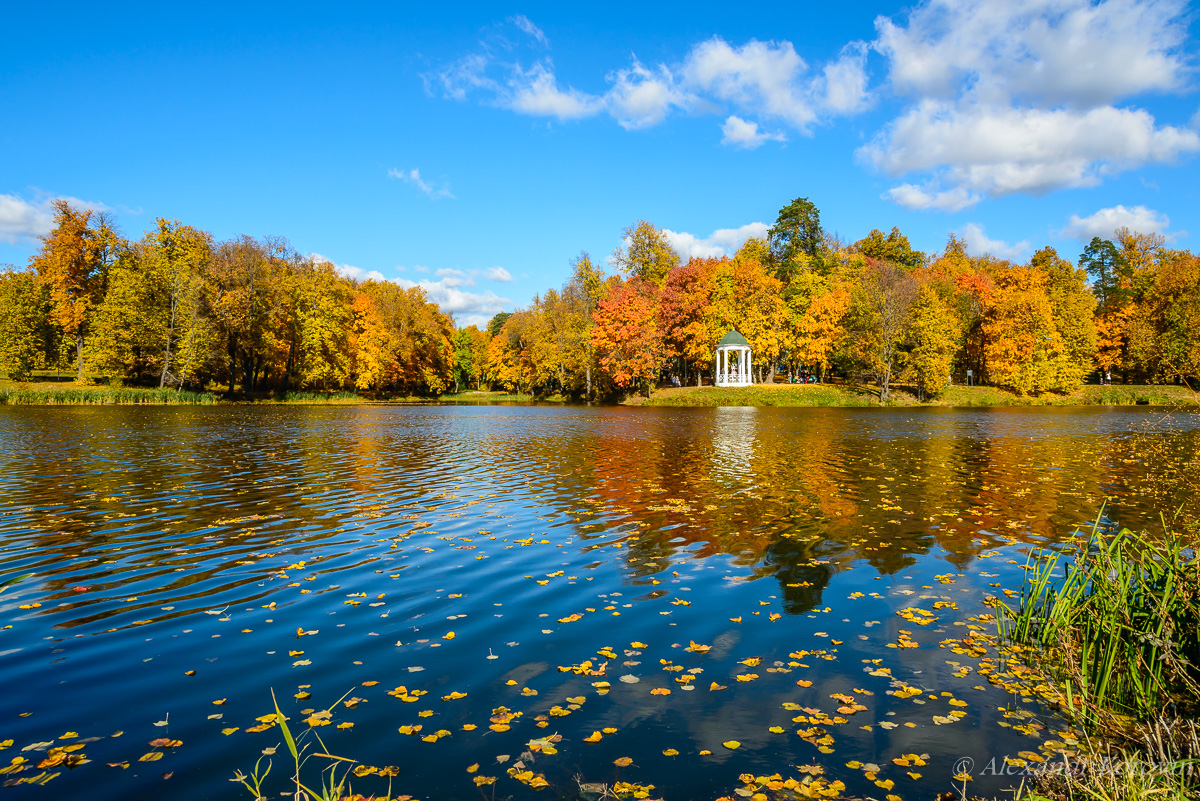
(732, 744)
(670, 752)
(594, 737)
(623, 762)
(153, 756)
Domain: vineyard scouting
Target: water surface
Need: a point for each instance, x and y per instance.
(167, 541)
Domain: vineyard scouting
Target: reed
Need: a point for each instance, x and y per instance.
(1117, 619)
(86, 396)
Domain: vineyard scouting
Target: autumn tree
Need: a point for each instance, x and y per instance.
(470, 346)
(73, 261)
(1022, 343)
(818, 330)
(627, 336)
(690, 332)
(934, 339)
(646, 253)
(893, 248)
(1072, 307)
(880, 309)
(24, 305)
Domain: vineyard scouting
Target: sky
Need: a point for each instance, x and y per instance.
(476, 149)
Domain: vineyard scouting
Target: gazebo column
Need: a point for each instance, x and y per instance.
(749, 366)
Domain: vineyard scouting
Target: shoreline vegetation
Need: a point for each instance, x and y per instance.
(255, 317)
(60, 393)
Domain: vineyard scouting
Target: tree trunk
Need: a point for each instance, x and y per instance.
(79, 356)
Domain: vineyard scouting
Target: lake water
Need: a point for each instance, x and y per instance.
(478, 550)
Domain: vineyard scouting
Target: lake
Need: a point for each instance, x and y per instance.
(761, 565)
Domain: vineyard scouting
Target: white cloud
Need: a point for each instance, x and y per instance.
(765, 79)
(722, 242)
(1001, 151)
(1036, 52)
(523, 22)
(22, 219)
(1105, 221)
(1019, 97)
(448, 295)
(498, 274)
(744, 134)
(923, 198)
(758, 76)
(349, 270)
(535, 92)
(979, 243)
(413, 177)
(641, 98)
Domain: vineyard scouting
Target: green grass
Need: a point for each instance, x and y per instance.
(1116, 619)
(868, 395)
(78, 396)
(486, 396)
(763, 395)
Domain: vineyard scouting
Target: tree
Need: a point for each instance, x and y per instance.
(73, 260)
(23, 308)
(647, 254)
(935, 335)
(881, 305)
(178, 255)
(796, 238)
(497, 322)
(690, 331)
(626, 334)
(1110, 273)
(1021, 340)
(817, 330)
(893, 248)
(1072, 307)
(470, 346)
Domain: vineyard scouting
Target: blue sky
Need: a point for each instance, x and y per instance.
(478, 150)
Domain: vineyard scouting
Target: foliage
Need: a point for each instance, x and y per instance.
(880, 313)
(646, 254)
(796, 238)
(935, 338)
(627, 336)
(893, 248)
(1119, 618)
(23, 309)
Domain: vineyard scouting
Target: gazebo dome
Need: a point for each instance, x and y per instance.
(733, 338)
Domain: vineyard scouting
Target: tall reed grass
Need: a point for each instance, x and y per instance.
(76, 396)
(1117, 619)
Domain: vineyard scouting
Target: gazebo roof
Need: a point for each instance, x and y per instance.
(733, 338)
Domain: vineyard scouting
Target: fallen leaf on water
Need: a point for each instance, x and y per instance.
(153, 756)
(670, 752)
(732, 744)
(660, 691)
(623, 762)
(594, 737)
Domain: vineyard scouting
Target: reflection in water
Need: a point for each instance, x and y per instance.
(173, 540)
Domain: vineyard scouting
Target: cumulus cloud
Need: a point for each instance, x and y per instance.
(742, 133)
(349, 270)
(641, 97)
(998, 152)
(722, 242)
(919, 198)
(762, 79)
(979, 243)
(1105, 221)
(413, 177)
(1021, 97)
(25, 220)
(498, 274)
(448, 294)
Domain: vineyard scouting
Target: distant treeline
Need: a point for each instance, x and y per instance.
(176, 308)
(809, 303)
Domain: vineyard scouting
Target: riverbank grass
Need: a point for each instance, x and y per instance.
(868, 395)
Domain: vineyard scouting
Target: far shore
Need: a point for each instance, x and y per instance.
(59, 393)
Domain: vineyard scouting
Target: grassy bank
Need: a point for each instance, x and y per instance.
(1114, 622)
(88, 396)
(867, 395)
